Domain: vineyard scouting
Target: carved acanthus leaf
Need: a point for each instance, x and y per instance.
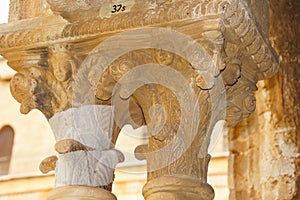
(70, 145)
(48, 164)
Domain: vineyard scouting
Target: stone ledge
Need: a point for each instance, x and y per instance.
(26, 184)
(31, 38)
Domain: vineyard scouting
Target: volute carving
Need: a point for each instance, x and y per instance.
(36, 88)
(49, 88)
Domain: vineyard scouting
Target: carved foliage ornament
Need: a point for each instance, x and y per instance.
(145, 13)
(244, 45)
(236, 53)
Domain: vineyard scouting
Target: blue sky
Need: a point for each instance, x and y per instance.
(4, 8)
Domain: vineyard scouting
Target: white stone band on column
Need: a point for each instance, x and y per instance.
(92, 126)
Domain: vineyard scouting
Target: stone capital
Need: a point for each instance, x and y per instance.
(176, 66)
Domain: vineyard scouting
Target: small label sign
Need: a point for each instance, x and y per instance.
(109, 9)
(118, 8)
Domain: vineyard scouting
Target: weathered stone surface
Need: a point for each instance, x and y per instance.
(260, 10)
(265, 154)
(25, 9)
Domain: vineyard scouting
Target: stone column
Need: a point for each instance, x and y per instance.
(80, 193)
(200, 64)
(84, 132)
(87, 160)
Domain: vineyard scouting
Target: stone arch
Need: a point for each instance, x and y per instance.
(6, 145)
